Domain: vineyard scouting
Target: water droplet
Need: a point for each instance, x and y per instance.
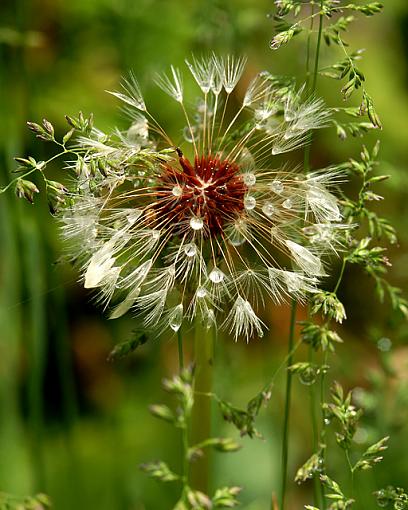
(201, 292)
(384, 344)
(190, 135)
(209, 319)
(177, 191)
(249, 179)
(309, 231)
(276, 150)
(287, 204)
(134, 215)
(308, 376)
(326, 421)
(382, 499)
(155, 235)
(236, 239)
(176, 317)
(196, 223)
(249, 202)
(190, 249)
(276, 186)
(216, 275)
(268, 209)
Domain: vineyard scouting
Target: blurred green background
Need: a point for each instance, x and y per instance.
(76, 426)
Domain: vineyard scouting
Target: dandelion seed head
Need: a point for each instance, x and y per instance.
(205, 231)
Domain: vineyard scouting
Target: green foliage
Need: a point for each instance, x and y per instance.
(346, 415)
(319, 337)
(244, 419)
(395, 496)
(312, 467)
(181, 386)
(37, 502)
(329, 305)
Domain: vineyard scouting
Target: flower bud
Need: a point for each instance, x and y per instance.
(26, 189)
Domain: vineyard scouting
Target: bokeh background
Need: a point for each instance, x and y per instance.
(76, 426)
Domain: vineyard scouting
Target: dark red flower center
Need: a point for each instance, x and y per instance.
(211, 190)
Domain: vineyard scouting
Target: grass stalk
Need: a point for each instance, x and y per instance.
(288, 396)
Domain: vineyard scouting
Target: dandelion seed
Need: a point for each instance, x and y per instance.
(307, 261)
(203, 71)
(133, 95)
(172, 86)
(242, 320)
(234, 67)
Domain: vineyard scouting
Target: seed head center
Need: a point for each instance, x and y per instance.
(211, 189)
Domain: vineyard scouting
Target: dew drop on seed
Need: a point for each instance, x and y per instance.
(209, 319)
(201, 292)
(309, 231)
(249, 179)
(190, 249)
(276, 186)
(268, 209)
(287, 204)
(177, 191)
(190, 135)
(176, 318)
(155, 235)
(133, 216)
(216, 275)
(196, 223)
(249, 202)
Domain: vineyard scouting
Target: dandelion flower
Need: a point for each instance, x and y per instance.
(208, 228)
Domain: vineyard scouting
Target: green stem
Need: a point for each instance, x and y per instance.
(185, 463)
(323, 426)
(350, 465)
(343, 267)
(309, 40)
(318, 44)
(180, 350)
(184, 429)
(306, 162)
(285, 436)
(201, 414)
(315, 430)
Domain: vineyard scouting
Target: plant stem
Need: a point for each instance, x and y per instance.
(350, 465)
(185, 463)
(306, 162)
(315, 430)
(323, 429)
(180, 350)
(201, 414)
(285, 435)
(343, 267)
(318, 44)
